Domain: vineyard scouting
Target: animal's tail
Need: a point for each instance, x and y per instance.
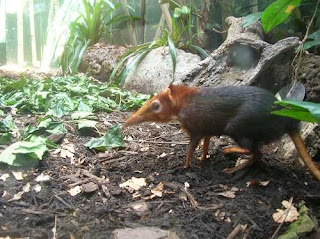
(302, 150)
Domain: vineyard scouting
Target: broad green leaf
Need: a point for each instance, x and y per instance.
(1, 113)
(5, 138)
(82, 115)
(315, 35)
(9, 122)
(15, 85)
(300, 110)
(277, 12)
(85, 123)
(112, 139)
(251, 18)
(310, 44)
(23, 153)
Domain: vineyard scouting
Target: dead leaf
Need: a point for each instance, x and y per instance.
(4, 177)
(158, 190)
(17, 175)
(133, 184)
(227, 194)
(162, 155)
(290, 214)
(67, 151)
(105, 190)
(37, 188)
(42, 178)
(144, 149)
(74, 191)
(140, 208)
(18, 196)
(89, 187)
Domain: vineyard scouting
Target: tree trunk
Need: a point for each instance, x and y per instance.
(130, 24)
(33, 35)
(143, 10)
(20, 32)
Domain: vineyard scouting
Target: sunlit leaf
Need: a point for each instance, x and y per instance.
(277, 12)
(300, 110)
(84, 123)
(24, 153)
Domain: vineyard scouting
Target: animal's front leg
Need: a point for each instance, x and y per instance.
(194, 141)
(205, 146)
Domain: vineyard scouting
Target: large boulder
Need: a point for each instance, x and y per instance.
(155, 71)
(100, 59)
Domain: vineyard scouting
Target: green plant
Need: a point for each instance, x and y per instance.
(49, 100)
(87, 30)
(277, 13)
(181, 36)
(300, 110)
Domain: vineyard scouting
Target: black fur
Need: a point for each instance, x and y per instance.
(241, 112)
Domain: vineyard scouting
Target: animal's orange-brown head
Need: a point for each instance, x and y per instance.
(160, 108)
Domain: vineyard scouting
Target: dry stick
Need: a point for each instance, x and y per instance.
(54, 229)
(279, 227)
(165, 11)
(143, 10)
(159, 142)
(239, 228)
(130, 24)
(300, 47)
(63, 201)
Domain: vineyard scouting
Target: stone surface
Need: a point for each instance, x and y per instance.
(100, 59)
(154, 72)
(143, 233)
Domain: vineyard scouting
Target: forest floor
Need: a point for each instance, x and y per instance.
(199, 202)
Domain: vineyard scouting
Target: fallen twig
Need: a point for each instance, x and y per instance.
(158, 142)
(63, 201)
(191, 198)
(239, 228)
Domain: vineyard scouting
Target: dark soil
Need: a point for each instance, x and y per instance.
(155, 152)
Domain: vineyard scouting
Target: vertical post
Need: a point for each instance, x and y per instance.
(32, 34)
(143, 10)
(20, 32)
(130, 24)
(254, 4)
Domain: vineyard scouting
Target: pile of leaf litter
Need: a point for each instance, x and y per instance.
(55, 103)
(81, 190)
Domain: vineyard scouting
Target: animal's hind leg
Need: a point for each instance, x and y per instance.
(255, 156)
(205, 146)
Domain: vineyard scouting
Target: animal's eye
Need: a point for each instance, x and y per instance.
(155, 106)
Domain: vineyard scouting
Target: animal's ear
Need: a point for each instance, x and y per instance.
(169, 93)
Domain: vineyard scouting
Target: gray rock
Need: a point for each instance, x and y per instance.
(154, 72)
(143, 233)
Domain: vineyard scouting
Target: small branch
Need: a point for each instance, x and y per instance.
(159, 142)
(300, 50)
(239, 228)
(165, 11)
